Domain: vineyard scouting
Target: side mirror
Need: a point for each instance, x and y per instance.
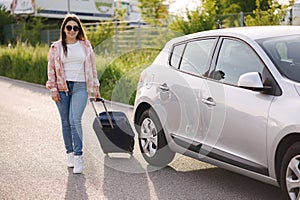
(252, 80)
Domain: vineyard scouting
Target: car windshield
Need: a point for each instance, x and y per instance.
(285, 53)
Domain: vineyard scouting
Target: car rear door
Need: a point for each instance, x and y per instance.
(180, 85)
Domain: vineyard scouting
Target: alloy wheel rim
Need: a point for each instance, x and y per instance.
(148, 137)
(293, 178)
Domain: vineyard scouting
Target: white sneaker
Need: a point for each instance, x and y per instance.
(78, 165)
(70, 157)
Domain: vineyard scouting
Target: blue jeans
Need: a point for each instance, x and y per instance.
(71, 107)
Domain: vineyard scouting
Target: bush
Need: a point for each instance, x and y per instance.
(119, 79)
(25, 62)
(5, 18)
(5, 64)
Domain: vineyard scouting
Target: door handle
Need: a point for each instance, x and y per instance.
(209, 101)
(164, 87)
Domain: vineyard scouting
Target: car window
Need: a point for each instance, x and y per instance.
(196, 56)
(235, 58)
(288, 52)
(281, 50)
(284, 52)
(176, 55)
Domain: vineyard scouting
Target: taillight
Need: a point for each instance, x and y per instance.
(142, 77)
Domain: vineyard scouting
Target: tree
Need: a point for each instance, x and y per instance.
(228, 12)
(154, 12)
(274, 15)
(29, 28)
(203, 18)
(120, 13)
(249, 6)
(100, 33)
(5, 18)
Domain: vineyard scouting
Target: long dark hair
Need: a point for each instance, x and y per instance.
(81, 33)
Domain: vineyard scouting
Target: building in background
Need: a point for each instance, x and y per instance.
(293, 16)
(93, 10)
(22, 7)
(87, 10)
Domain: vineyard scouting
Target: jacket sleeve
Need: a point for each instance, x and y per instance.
(94, 68)
(51, 82)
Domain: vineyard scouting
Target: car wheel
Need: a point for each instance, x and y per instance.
(152, 141)
(290, 172)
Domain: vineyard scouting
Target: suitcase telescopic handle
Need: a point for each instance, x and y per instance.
(92, 100)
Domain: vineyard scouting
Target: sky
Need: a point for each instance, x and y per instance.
(179, 6)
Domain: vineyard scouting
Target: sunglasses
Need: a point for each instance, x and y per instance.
(75, 28)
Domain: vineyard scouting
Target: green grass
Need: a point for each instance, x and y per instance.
(24, 62)
(118, 76)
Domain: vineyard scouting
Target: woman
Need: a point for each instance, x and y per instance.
(72, 76)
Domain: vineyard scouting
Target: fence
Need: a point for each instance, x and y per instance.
(124, 35)
(128, 35)
(12, 31)
(49, 35)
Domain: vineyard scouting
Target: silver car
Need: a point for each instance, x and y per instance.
(229, 97)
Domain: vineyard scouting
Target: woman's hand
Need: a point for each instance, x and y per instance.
(96, 93)
(55, 96)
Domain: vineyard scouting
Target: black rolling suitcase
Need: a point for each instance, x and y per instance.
(113, 130)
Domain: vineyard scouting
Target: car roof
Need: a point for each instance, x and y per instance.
(251, 32)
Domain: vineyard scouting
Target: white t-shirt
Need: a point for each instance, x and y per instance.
(73, 63)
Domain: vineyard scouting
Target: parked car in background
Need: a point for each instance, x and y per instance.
(229, 97)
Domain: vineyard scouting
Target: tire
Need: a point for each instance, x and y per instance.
(290, 172)
(152, 141)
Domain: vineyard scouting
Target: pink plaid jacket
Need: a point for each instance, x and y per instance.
(56, 78)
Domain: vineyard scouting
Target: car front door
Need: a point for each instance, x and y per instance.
(234, 119)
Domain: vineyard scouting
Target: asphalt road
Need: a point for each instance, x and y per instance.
(33, 160)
